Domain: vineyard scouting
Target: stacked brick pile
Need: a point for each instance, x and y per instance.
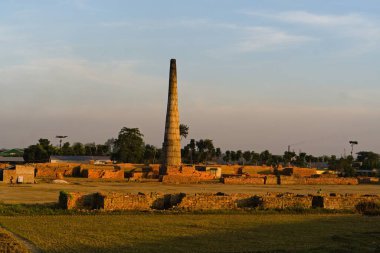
(298, 172)
(252, 170)
(3, 165)
(103, 173)
(50, 170)
(186, 175)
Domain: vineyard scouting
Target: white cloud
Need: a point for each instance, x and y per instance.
(305, 17)
(361, 31)
(266, 38)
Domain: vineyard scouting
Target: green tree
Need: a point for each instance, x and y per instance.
(90, 149)
(78, 149)
(150, 153)
(183, 130)
(265, 157)
(255, 158)
(129, 146)
(227, 156)
(369, 160)
(247, 155)
(39, 152)
(67, 149)
(218, 153)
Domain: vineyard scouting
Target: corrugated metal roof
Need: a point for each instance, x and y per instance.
(11, 159)
(80, 158)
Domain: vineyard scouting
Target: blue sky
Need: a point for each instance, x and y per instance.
(252, 74)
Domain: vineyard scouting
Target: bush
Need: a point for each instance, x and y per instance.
(368, 208)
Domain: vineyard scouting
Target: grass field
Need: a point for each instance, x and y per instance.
(235, 232)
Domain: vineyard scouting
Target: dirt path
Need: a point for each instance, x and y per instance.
(15, 243)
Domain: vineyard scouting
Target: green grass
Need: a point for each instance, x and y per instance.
(235, 232)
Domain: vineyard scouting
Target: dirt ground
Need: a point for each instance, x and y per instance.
(44, 192)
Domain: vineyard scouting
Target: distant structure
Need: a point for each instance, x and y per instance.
(172, 141)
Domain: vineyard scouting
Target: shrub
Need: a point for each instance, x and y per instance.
(368, 208)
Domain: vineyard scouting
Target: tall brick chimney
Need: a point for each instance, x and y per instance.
(172, 140)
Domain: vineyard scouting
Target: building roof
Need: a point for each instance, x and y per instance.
(80, 158)
(15, 152)
(11, 159)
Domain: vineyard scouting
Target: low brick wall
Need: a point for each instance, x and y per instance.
(78, 200)
(209, 201)
(283, 201)
(343, 201)
(117, 201)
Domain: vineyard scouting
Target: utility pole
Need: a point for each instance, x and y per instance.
(60, 137)
(353, 143)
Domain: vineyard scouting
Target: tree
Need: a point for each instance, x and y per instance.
(205, 149)
(227, 156)
(265, 157)
(192, 147)
(90, 149)
(218, 153)
(129, 146)
(239, 155)
(255, 157)
(369, 160)
(289, 157)
(78, 149)
(36, 154)
(39, 152)
(247, 155)
(183, 130)
(67, 149)
(110, 143)
(150, 154)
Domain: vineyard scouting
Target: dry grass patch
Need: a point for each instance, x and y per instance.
(9, 244)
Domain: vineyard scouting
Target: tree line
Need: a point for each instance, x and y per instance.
(129, 147)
